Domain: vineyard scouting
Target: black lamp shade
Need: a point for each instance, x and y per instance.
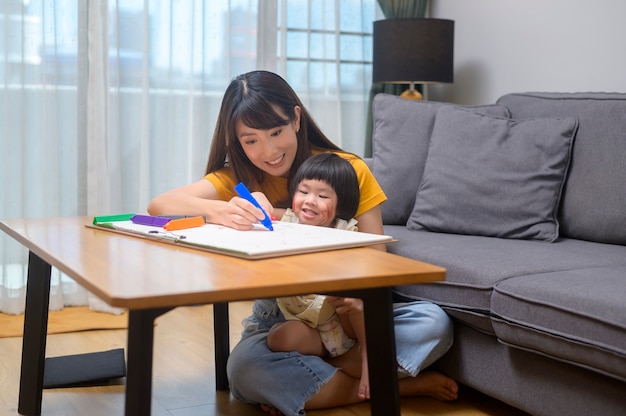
(419, 51)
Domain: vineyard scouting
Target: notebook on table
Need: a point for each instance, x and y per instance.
(258, 243)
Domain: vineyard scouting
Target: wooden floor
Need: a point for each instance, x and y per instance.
(183, 375)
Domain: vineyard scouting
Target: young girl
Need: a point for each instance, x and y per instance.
(324, 192)
(263, 135)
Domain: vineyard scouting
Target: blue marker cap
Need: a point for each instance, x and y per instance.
(245, 194)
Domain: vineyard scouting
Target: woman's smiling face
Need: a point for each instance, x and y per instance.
(273, 150)
(315, 203)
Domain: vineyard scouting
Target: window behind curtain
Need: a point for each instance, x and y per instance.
(324, 49)
(167, 64)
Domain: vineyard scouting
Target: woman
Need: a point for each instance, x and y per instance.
(262, 136)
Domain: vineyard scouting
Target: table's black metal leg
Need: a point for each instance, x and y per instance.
(381, 350)
(222, 344)
(34, 339)
(139, 360)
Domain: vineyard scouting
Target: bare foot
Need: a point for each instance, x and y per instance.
(271, 410)
(431, 384)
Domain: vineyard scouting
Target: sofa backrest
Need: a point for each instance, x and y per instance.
(593, 205)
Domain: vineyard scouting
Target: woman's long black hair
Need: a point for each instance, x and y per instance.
(254, 99)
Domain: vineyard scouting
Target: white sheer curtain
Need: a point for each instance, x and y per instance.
(104, 104)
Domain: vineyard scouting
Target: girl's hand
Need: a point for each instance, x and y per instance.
(346, 305)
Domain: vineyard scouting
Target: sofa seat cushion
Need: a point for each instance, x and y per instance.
(577, 316)
(476, 264)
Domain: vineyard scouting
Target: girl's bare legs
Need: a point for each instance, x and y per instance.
(432, 383)
(354, 325)
(340, 390)
(295, 336)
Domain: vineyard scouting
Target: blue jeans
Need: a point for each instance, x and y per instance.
(287, 380)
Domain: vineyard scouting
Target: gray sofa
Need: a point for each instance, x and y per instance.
(524, 203)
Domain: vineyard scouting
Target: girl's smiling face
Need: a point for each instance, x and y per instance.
(273, 150)
(315, 203)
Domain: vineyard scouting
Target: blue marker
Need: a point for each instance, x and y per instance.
(245, 194)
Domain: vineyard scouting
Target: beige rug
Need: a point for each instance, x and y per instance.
(69, 319)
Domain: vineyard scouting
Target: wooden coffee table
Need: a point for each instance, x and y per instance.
(150, 278)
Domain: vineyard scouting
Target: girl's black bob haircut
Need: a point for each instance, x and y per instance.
(339, 174)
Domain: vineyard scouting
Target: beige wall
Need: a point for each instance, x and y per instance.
(506, 46)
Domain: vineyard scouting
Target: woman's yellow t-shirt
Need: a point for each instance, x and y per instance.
(275, 187)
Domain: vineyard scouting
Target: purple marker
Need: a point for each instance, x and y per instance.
(150, 220)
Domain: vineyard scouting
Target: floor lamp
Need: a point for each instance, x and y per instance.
(413, 51)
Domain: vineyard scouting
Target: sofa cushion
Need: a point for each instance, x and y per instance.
(575, 316)
(493, 176)
(401, 137)
(476, 264)
(594, 198)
